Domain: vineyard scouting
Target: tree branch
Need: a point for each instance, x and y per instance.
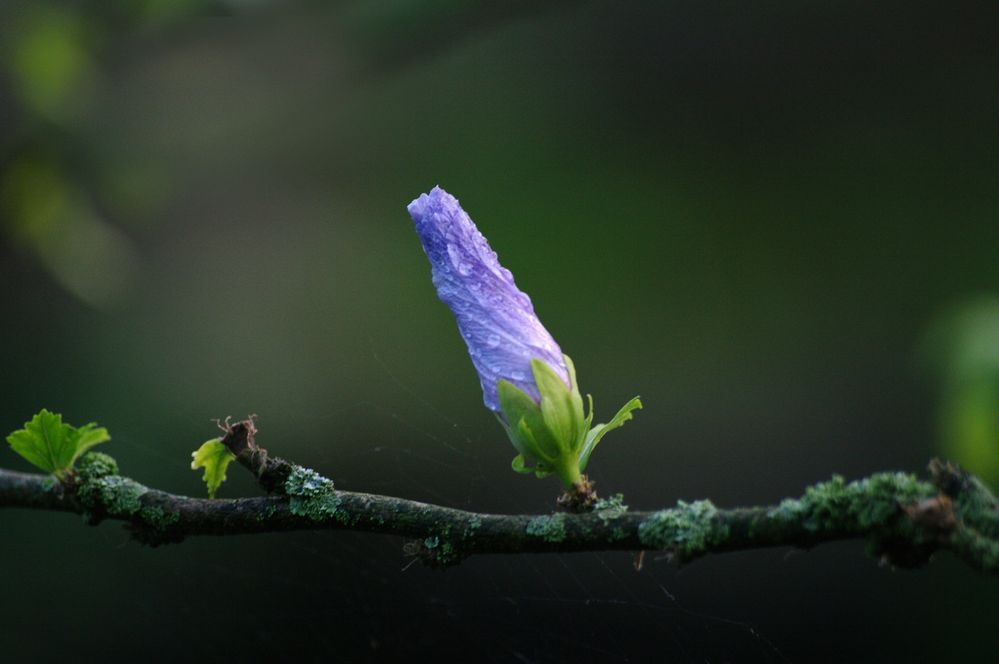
(903, 519)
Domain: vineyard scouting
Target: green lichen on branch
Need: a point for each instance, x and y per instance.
(905, 520)
(978, 504)
(687, 531)
(550, 528)
(102, 491)
(447, 555)
(96, 464)
(611, 508)
(438, 550)
(311, 495)
(158, 518)
(104, 494)
(114, 496)
(853, 506)
(471, 526)
(977, 538)
(874, 508)
(445, 547)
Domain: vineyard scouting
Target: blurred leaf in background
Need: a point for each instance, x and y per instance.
(962, 347)
(55, 201)
(51, 64)
(767, 202)
(50, 215)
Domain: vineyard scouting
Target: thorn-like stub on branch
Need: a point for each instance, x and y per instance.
(581, 498)
(241, 436)
(241, 439)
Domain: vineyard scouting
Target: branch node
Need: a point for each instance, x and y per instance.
(240, 439)
(581, 498)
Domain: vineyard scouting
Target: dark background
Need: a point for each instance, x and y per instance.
(775, 221)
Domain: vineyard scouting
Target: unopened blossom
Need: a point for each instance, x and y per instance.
(496, 319)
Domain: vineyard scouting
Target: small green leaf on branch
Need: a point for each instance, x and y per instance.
(52, 445)
(600, 430)
(214, 457)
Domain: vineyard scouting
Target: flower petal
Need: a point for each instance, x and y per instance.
(495, 318)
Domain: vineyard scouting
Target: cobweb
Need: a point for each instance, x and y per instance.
(358, 597)
(525, 607)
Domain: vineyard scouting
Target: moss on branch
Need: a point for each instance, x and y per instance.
(903, 519)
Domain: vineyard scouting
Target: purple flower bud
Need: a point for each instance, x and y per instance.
(495, 318)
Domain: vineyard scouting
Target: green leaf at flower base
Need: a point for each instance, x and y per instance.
(519, 465)
(561, 407)
(214, 457)
(540, 469)
(600, 430)
(589, 414)
(525, 424)
(52, 445)
(577, 405)
(516, 405)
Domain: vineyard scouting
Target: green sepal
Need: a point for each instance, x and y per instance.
(519, 465)
(589, 413)
(599, 431)
(561, 407)
(577, 404)
(214, 457)
(555, 434)
(525, 424)
(52, 445)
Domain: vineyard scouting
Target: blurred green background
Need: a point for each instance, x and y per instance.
(777, 222)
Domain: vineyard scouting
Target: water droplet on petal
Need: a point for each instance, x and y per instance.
(493, 340)
(517, 375)
(464, 269)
